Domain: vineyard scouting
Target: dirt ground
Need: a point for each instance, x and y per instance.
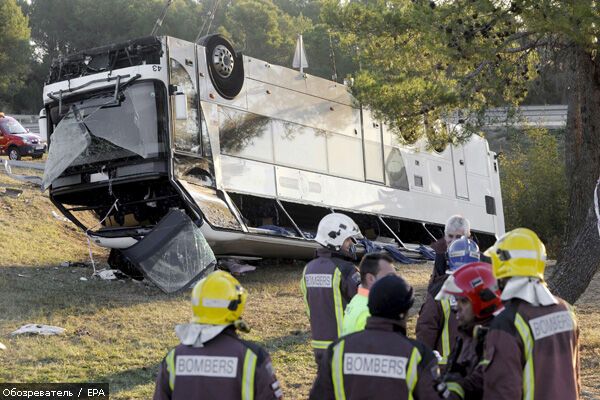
(118, 331)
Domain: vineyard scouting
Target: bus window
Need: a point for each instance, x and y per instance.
(395, 171)
(187, 134)
(345, 156)
(306, 216)
(299, 146)
(264, 215)
(246, 135)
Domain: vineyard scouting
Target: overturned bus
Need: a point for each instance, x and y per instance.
(253, 154)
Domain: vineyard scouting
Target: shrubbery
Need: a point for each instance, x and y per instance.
(534, 186)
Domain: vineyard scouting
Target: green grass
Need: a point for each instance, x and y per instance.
(31, 235)
(118, 332)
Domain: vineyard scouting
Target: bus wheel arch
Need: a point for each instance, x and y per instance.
(225, 66)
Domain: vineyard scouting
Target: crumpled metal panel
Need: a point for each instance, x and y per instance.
(174, 254)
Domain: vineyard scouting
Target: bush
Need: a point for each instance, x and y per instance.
(534, 186)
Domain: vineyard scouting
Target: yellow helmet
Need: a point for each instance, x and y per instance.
(218, 299)
(519, 252)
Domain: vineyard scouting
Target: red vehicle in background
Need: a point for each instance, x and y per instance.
(17, 142)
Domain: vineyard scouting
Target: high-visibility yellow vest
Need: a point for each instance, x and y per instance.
(357, 312)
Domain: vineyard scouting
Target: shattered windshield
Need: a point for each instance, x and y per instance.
(174, 254)
(101, 128)
(12, 126)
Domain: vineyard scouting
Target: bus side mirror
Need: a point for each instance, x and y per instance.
(180, 106)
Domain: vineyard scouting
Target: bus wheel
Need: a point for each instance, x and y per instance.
(226, 68)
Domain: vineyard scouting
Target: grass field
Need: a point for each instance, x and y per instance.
(118, 331)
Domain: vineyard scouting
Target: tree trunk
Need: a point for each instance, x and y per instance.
(580, 257)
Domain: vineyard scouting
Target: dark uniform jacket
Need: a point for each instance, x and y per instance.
(437, 326)
(466, 375)
(440, 265)
(328, 284)
(532, 353)
(379, 362)
(226, 368)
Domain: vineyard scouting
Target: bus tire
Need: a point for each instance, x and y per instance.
(225, 66)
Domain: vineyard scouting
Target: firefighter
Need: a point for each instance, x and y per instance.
(372, 267)
(531, 350)
(331, 280)
(437, 326)
(212, 362)
(379, 362)
(477, 301)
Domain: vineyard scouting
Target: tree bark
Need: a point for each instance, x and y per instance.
(580, 257)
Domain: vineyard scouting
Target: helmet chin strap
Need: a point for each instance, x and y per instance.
(350, 253)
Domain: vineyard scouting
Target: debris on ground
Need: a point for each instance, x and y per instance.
(59, 217)
(83, 278)
(10, 192)
(82, 332)
(235, 267)
(38, 329)
(110, 274)
(35, 180)
(74, 264)
(2, 347)
(23, 276)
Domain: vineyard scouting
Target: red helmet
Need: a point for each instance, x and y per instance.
(476, 282)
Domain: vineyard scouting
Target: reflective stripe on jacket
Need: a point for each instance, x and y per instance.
(328, 284)
(225, 368)
(532, 353)
(377, 362)
(466, 375)
(437, 326)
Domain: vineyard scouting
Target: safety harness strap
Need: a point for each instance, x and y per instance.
(528, 371)
(337, 371)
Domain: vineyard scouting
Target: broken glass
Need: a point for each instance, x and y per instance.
(130, 122)
(101, 128)
(174, 254)
(69, 141)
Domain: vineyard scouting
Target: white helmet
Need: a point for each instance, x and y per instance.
(334, 229)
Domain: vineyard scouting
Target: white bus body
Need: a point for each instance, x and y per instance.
(256, 155)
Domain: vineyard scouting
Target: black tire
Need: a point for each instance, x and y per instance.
(219, 56)
(13, 153)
